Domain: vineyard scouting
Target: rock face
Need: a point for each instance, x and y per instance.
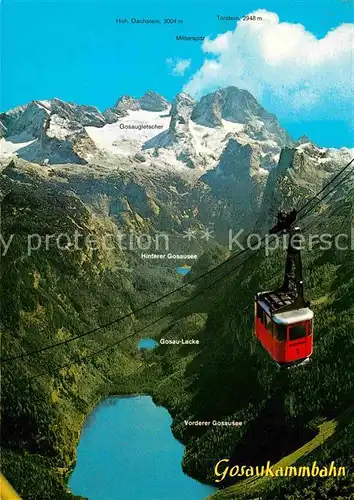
(303, 140)
(226, 133)
(181, 111)
(238, 180)
(151, 101)
(199, 131)
(32, 117)
(195, 136)
(29, 119)
(301, 172)
(238, 106)
(208, 111)
(237, 159)
(124, 104)
(178, 136)
(57, 130)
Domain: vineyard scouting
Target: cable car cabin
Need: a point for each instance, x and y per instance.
(283, 320)
(287, 336)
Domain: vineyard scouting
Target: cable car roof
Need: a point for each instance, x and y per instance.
(275, 301)
(271, 302)
(295, 316)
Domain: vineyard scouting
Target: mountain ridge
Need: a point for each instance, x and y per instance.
(185, 136)
(71, 119)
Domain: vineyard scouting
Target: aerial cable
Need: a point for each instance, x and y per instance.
(125, 316)
(349, 174)
(326, 186)
(168, 294)
(145, 327)
(131, 335)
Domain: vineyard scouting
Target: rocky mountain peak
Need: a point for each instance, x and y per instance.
(227, 113)
(226, 131)
(180, 113)
(151, 101)
(239, 106)
(182, 107)
(126, 102)
(28, 119)
(304, 139)
(208, 111)
(52, 130)
(232, 104)
(31, 118)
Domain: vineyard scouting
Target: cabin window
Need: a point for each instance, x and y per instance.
(297, 331)
(310, 327)
(259, 312)
(280, 332)
(269, 323)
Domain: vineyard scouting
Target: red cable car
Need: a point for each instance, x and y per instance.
(283, 320)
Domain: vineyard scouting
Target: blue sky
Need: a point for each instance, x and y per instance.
(74, 50)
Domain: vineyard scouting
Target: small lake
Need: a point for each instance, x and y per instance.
(127, 452)
(147, 344)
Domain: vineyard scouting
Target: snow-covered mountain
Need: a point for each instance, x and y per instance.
(148, 131)
(51, 131)
(183, 134)
(223, 157)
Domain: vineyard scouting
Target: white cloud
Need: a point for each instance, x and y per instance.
(219, 44)
(179, 66)
(282, 65)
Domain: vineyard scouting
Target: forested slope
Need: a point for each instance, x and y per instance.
(53, 294)
(232, 378)
(49, 295)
